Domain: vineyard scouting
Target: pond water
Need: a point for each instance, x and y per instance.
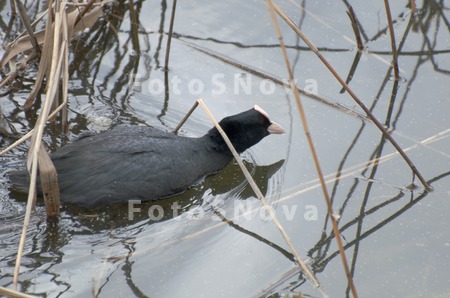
(217, 241)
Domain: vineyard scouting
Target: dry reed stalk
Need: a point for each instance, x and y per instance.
(186, 117)
(55, 39)
(313, 185)
(34, 154)
(413, 6)
(22, 43)
(351, 15)
(256, 190)
(280, 82)
(309, 186)
(10, 293)
(392, 34)
(283, 15)
(301, 111)
(169, 37)
(16, 143)
(353, 171)
(19, 45)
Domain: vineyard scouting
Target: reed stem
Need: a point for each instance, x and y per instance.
(301, 111)
(169, 38)
(353, 95)
(392, 34)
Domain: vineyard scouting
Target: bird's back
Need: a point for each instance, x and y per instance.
(132, 162)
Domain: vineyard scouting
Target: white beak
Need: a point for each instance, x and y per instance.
(276, 129)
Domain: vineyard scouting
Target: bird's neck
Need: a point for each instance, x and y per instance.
(218, 143)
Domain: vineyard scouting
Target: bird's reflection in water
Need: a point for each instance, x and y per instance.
(229, 183)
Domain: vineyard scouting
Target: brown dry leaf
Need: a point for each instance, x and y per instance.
(23, 44)
(88, 20)
(44, 63)
(49, 182)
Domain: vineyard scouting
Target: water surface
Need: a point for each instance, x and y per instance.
(396, 238)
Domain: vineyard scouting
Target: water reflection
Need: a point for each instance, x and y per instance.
(370, 198)
(113, 223)
(229, 182)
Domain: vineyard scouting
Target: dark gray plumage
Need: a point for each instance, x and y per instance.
(136, 162)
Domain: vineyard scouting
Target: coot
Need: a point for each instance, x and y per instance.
(145, 163)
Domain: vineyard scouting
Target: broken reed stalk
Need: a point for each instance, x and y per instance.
(301, 111)
(255, 188)
(186, 117)
(351, 15)
(392, 34)
(169, 37)
(294, 27)
(59, 51)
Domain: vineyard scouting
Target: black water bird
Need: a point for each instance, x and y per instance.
(145, 163)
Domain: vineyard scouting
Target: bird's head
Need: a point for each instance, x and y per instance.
(248, 128)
